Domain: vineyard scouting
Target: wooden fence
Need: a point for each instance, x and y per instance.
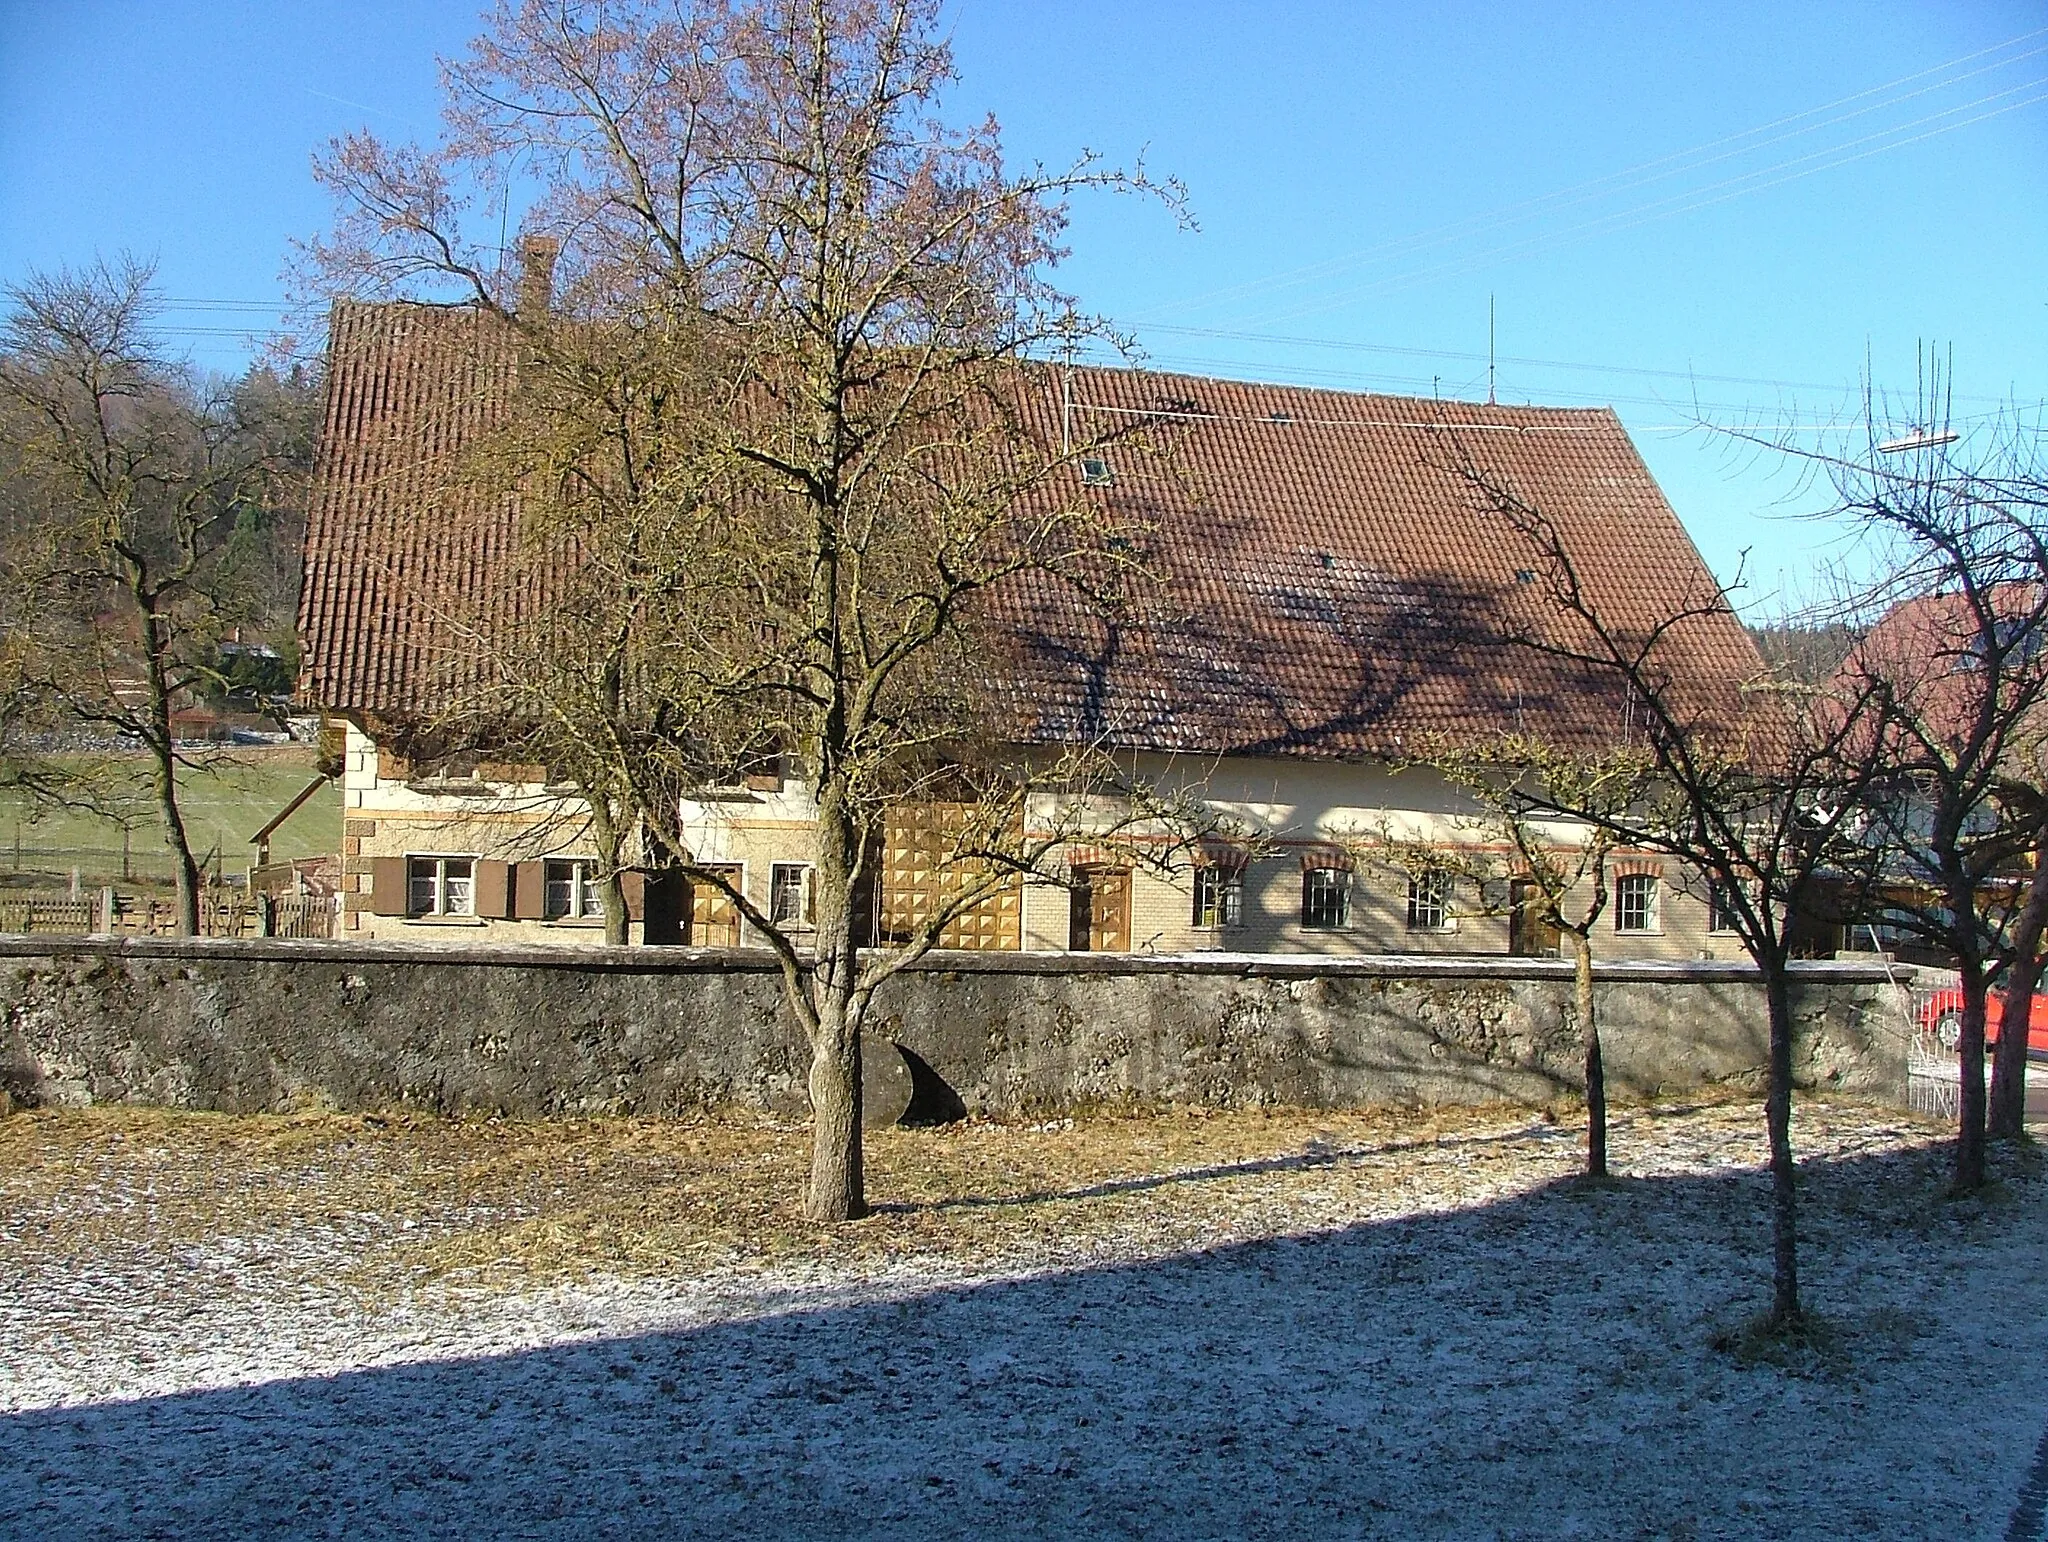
(222, 913)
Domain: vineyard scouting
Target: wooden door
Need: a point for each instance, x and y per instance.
(1099, 919)
(714, 923)
(1529, 935)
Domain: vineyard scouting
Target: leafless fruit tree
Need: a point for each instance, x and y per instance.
(1535, 848)
(1759, 796)
(1957, 666)
(783, 433)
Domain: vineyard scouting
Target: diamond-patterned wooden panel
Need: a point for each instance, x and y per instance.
(918, 881)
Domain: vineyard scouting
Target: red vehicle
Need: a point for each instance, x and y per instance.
(1942, 1016)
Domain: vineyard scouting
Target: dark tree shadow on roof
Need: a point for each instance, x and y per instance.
(1533, 1367)
(1258, 647)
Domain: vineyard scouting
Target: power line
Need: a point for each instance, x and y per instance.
(1687, 202)
(1655, 169)
(1409, 385)
(1291, 421)
(264, 307)
(1455, 356)
(1418, 385)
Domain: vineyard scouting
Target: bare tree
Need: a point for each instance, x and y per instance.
(1528, 853)
(1759, 795)
(131, 481)
(1959, 669)
(2006, 1111)
(784, 428)
(1536, 849)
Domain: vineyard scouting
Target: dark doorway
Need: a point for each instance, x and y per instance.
(667, 900)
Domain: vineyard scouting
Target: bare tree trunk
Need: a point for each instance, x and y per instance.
(184, 866)
(2007, 1116)
(611, 897)
(838, 1186)
(164, 777)
(1596, 1074)
(611, 888)
(1969, 1168)
(1785, 1308)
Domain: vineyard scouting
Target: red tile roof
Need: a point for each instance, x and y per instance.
(1334, 586)
(1927, 653)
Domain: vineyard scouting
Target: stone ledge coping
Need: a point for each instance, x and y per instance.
(594, 957)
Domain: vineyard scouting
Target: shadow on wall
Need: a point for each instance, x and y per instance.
(256, 1032)
(1534, 1367)
(932, 1100)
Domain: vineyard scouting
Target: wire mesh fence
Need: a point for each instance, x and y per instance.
(1934, 1075)
(142, 861)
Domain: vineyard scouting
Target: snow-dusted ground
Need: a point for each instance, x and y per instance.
(1422, 1350)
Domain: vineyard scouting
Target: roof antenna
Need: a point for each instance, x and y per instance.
(1489, 351)
(1067, 397)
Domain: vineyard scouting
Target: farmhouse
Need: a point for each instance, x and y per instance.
(1335, 598)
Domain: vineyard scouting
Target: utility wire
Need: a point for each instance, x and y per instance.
(1579, 192)
(1298, 341)
(1686, 203)
(1411, 385)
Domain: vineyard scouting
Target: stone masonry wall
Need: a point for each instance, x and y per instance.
(533, 1031)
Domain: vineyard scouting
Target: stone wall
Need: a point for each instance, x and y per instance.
(528, 1031)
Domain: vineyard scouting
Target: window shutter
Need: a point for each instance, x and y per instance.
(387, 886)
(493, 889)
(529, 891)
(635, 887)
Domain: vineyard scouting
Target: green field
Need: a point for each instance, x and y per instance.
(225, 804)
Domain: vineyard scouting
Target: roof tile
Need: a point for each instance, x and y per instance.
(1334, 587)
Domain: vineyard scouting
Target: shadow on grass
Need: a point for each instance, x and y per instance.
(1538, 1366)
(1317, 1154)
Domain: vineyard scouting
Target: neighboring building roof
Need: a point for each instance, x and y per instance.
(1334, 587)
(1927, 653)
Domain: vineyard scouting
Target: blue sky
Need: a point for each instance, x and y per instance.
(1735, 204)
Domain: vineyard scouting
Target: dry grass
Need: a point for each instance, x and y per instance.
(415, 1199)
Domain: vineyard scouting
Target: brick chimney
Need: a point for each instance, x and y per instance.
(537, 276)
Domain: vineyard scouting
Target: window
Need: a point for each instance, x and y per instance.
(441, 886)
(1095, 472)
(572, 892)
(762, 770)
(2017, 641)
(1219, 897)
(1429, 902)
(1325, 897)
(1720, 908)
(789, 894)
(1635, 903)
